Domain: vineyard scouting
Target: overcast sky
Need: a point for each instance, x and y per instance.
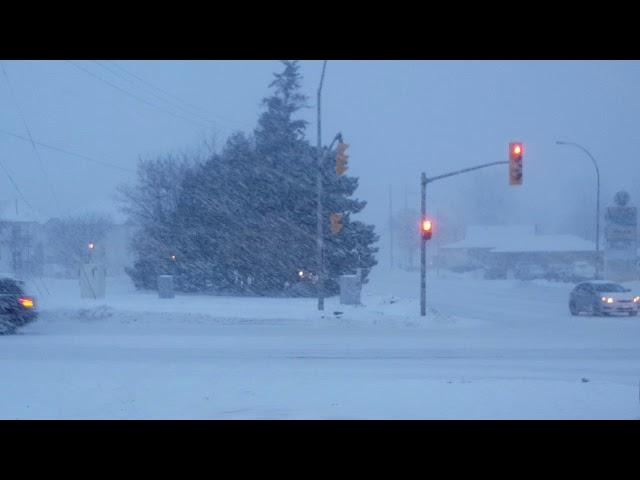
(400, 117)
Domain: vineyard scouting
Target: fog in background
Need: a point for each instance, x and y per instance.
(400, 118)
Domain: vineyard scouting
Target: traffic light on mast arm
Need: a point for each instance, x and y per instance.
(426, 228)
(341, 158)
(515, 163)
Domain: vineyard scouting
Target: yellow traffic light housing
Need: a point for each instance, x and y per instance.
(336, 223)
(341, 158)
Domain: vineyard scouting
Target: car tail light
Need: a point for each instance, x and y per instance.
(26, 302)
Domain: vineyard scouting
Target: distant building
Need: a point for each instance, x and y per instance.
(25, 247)
(22, 240)
(505, 247)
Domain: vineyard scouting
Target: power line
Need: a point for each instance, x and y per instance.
(61, 150)
(26, 126)
(190, 105)
(171, 104)
(146, 82)
(164, 96)
(126, 92)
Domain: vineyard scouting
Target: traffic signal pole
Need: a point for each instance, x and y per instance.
(424, 181)
(423, 249)
(320, 157)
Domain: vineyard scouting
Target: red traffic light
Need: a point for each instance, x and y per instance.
(516, 151)
(426, 228)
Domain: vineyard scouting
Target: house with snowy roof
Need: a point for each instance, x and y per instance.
(22, 239)
(504, 247)
(26, 245)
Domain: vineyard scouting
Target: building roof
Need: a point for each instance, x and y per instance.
(489, 236)
(505, 239)
(547, 243)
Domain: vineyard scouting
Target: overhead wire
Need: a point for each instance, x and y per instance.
(149, 88)
(194, 108)
(159, 97)
(132, 95)
(28, 130)
(67, 152)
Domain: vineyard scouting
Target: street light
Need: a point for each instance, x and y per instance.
(597, 201)
(319, 239)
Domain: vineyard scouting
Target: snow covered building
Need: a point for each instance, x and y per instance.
(22, 240)
(26, 245)
(505, 247)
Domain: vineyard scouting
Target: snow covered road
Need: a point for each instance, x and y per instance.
(488, 349)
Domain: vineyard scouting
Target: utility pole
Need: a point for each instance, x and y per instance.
(320, 240)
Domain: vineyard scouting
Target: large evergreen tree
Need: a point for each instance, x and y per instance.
(284, 176)
(217, 225)
(290, 166)
(244, 221)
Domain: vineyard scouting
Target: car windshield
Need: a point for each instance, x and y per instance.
(609, 287)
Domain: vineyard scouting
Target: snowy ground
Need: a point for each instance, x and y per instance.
(487, 350)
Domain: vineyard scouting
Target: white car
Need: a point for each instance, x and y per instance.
(602, 298)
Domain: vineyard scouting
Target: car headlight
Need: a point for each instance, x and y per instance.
(607, 299)
(636, 299)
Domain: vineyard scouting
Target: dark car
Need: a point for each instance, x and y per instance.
(602, 298)
(16, 307)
